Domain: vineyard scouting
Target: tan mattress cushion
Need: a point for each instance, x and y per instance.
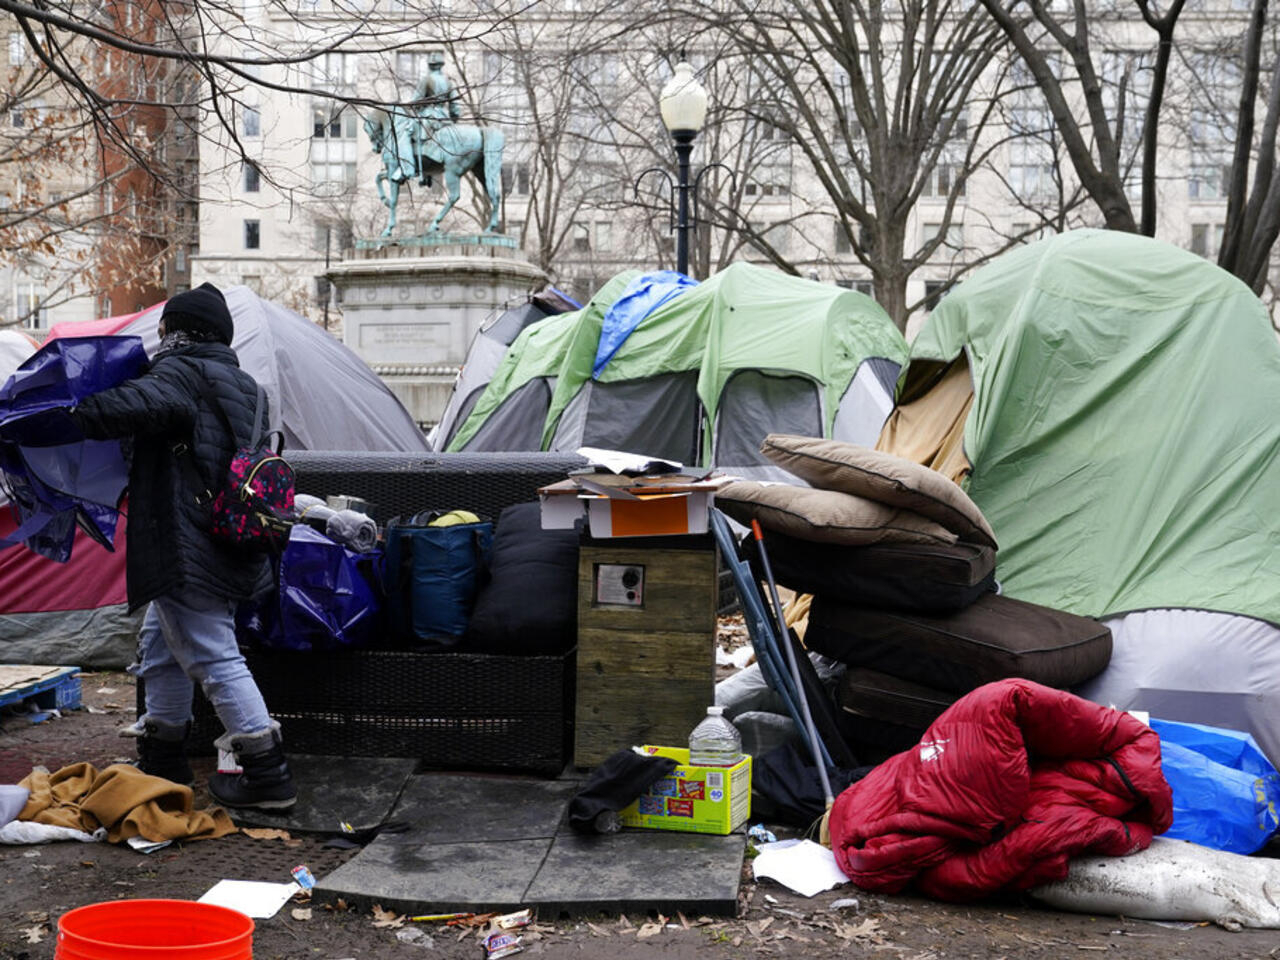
(826, 516)
(882, 477)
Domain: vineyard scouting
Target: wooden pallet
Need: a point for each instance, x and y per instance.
(49, 688)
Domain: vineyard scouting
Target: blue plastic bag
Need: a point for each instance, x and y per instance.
(55, 478)
(327, 597)
(1226, 794)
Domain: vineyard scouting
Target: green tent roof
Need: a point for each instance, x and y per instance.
(541, 350)
(744, 317)
(1123, 436)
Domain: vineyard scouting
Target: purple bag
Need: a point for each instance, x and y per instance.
(56, 479)
(326, 597)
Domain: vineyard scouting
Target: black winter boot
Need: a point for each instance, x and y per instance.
(162, 752)
(264, 782)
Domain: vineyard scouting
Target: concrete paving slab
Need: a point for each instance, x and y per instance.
(639, 870)
(358, 790)
(416, 878)
(450, 808)
(496, 843)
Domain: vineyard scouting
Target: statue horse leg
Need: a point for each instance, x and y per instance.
(453, 185)
(391, 201)
(493, 142)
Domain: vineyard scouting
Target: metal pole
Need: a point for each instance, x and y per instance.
(684, 147)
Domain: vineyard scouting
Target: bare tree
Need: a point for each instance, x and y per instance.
(884, 105)
(1090, 120)
(1253, 211)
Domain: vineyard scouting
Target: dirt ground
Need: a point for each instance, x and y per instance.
(40, 883)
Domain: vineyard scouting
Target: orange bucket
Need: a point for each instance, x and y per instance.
(179, 929)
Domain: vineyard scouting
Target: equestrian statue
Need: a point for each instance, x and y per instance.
(422, 139)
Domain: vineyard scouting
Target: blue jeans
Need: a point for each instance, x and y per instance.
(193, 638)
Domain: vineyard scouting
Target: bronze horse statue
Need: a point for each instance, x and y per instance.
(415, 145)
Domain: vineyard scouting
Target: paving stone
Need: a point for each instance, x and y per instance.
(358, 790)
(418, 878)
(639, 870)
(450, 808)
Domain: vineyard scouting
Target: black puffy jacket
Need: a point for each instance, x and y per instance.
(169, 548)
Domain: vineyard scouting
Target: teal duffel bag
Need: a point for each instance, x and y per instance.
(432, 574)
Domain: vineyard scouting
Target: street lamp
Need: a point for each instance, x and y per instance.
(683, 102)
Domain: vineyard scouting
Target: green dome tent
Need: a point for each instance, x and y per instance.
(1123, 442)
(513, 407)
(708, 374)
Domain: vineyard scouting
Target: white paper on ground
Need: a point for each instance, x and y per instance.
(806, 867)
(253, 898)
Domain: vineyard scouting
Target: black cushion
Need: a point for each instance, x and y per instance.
(529, 604)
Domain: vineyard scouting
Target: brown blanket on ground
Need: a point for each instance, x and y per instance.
(126, 801)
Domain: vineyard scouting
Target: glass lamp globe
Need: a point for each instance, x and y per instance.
(683, 101)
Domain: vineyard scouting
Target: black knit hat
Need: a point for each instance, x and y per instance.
(202, 312)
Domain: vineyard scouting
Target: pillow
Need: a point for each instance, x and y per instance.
(896, 481)
(529, 605)
(826, 516)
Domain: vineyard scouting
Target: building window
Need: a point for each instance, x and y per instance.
(842, 238)
(252, 239)
(253, 282)
(515, 179)
(604, 235)
(252, 178)
(941, 180)
(953, 240)
(180, 259)
(333, 144)
(1206, 239)
(251, 125)
(581, 240)
(30, 303)
(17, 49)
(933, 293)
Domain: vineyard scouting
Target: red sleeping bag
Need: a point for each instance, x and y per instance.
(1004, 788)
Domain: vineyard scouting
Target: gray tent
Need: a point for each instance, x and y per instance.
(323, 397)
(485, 353)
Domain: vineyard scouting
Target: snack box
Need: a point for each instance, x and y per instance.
(693, 799)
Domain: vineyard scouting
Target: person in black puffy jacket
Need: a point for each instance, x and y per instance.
(192, 582)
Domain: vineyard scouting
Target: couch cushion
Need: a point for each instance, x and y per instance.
(529, 604)
(826, 516)
(895, 481)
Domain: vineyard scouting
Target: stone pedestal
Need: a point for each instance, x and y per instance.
(411, 307)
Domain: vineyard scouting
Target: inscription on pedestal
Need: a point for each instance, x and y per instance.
(430, 335)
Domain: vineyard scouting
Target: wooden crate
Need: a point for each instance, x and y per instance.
(646, 670)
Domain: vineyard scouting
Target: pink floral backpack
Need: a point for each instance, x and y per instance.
(252, 508)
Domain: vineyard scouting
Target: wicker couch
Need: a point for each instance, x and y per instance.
(448, 709)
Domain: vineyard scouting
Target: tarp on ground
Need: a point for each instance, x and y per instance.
(323, 397)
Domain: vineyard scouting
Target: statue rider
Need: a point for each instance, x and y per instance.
(436, 101)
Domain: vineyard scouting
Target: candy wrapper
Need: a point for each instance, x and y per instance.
(500, 944)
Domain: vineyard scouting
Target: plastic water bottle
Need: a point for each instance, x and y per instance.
(715, 742)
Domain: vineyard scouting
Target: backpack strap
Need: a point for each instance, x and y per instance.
(183, 450)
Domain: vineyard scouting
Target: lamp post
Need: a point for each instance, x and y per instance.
(683, 103)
